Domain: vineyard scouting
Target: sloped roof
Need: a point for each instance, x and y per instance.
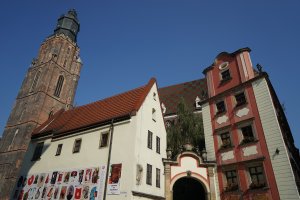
(170, 96)
(121, 105)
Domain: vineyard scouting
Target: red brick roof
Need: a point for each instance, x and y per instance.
(170, 96)
(121, 105)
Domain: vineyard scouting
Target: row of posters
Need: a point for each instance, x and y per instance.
(75, 184)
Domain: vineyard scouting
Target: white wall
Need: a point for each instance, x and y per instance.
(144, 155)
(129, 147)
(281, 164)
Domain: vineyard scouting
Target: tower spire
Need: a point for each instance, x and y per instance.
(68, 25)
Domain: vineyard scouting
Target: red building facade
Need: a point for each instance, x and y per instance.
(243, 156)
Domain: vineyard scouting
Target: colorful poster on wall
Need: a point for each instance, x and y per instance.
(74, 184)
(114, 179)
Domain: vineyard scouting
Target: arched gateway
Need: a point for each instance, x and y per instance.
(188, 188)
(190, 178)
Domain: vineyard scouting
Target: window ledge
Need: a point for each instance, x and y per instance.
(224, 81)
(258, 189)
(239, 106)
(227, 148)
(243, 144)
(218, 114)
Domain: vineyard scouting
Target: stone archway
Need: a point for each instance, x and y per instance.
(188, 188)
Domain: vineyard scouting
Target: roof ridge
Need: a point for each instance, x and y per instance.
(181, 83)
(97, 111)
(106, 99)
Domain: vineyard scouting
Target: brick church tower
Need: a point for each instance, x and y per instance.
(49, 85)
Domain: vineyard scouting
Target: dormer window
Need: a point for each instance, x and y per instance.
(224, 72)
(197, 103)
(225, 75)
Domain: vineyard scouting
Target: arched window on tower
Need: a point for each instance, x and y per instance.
(59, 85)
(35, 80)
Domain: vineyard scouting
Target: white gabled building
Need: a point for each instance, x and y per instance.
(69, 154)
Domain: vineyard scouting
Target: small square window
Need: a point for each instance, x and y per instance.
(104, 139)
(149, 175)
(247, 133)
(226, 141)
(154, 96)
(220, 107)
(149, 141)
(77, 145)
(240, 99)
(38, 151)
(58, 150)
(157, 144)
(225, 75)
(257, 177)
(232, 183)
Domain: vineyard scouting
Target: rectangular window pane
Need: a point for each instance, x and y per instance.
(104, 140)
(150, 134)
(240, 99)
(77, 145)
(38, 151)
(157, 144)
(149, 174)
(231, 177)
(220, 107)
(225, 75)
(157, 177)
(58, 151)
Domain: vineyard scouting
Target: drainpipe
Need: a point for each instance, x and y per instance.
(108, 158)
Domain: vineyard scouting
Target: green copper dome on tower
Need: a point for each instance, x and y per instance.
(68, 25)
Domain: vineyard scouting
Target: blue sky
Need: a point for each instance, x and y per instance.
(126, 42)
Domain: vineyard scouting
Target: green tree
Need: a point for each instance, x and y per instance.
(187, 128)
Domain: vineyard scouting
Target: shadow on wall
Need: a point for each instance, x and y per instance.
(28, 184)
